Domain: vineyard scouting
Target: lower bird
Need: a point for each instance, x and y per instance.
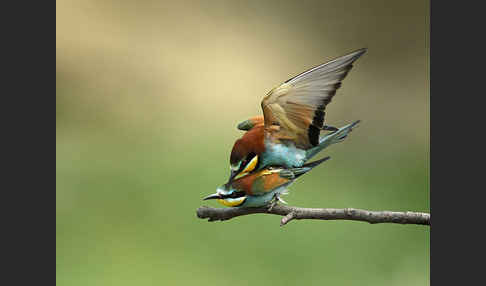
(261, 188)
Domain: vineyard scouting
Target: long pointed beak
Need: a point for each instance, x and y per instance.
(212, 197)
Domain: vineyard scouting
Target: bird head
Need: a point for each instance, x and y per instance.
(242, 160)
(245, 153)
(228, 196)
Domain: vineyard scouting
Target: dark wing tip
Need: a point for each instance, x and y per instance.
(317, 162)
(342, 61)
(313, 133)
(354, 55)
(361, 51)
(357, 53)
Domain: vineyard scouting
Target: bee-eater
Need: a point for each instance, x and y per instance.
(260, 188)
(288, 133)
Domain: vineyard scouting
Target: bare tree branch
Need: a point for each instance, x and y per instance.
(291, 213)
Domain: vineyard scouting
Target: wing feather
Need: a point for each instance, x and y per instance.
(295, 109)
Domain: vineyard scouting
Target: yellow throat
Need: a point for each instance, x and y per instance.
(231, 202)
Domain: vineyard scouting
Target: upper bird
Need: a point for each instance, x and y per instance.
(293, 116)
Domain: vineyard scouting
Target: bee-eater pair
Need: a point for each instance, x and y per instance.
(274, 150)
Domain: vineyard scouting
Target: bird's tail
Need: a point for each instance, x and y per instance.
(297, 172)
(329, 139)
(293, 173)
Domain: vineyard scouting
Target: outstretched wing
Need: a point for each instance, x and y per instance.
(295, 109)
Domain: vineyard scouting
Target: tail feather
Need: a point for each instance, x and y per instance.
(307, 167)
(330, 139)
(316, 162)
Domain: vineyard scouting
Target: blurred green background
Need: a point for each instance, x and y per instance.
(148, 97)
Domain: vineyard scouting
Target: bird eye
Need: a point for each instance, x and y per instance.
(250, 166)
(235, 195)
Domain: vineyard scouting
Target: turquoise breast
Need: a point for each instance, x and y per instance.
(282, 155)
(263, 200)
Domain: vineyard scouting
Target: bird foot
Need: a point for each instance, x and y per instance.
(281, 200)
(272, 204)
(276, 198)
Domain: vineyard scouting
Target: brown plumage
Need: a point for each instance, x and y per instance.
(297, 106)
(251, 141)
(259, 182)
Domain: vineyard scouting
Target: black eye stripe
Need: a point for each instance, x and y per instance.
(238, 194)
(247, 160)
(250, 156)
(234, 195)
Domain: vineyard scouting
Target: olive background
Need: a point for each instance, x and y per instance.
(148, 96)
